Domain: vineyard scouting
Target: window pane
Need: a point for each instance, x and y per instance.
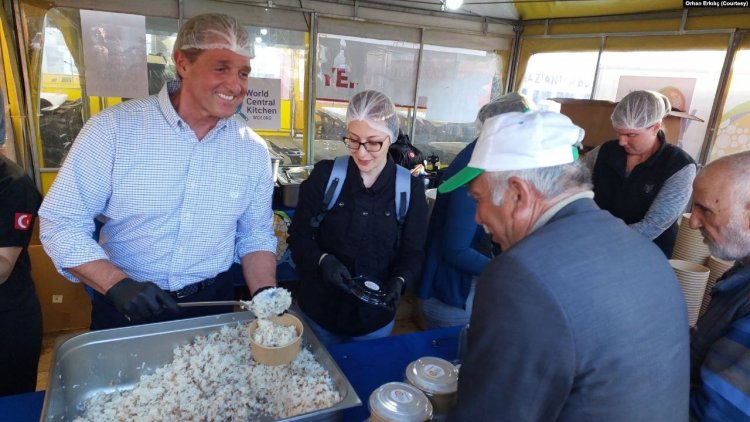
(688, 78)
(347, 65)
(734, 129)
(281, 54)
(62, 108)
(454, 83)
(558, 75)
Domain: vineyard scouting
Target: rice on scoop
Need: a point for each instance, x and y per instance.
(269, 302)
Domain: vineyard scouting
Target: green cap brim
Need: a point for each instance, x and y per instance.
(466, 175)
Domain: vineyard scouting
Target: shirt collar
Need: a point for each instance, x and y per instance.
(547, 215)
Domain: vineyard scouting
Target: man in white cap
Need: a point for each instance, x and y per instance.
(183, 187)
(720, 343)
(579, 318)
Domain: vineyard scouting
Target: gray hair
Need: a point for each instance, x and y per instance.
(507, 103)
(550, 182)
(738, 174)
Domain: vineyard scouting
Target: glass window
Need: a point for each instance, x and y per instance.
(454, 83)
(558, 75)
(63, 108)
(347, 65)
(281, 54)
(734, 129)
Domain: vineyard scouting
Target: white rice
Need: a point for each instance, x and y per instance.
(215, 378)
(270, 334)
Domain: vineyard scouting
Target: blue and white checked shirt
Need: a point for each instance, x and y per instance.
(177, 210)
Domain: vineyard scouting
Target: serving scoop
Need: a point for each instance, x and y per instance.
(241, 304)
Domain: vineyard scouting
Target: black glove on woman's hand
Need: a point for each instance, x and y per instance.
(139, 300)
(393, 291)
(334, 272)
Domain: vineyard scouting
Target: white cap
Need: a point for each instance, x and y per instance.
(519, 141)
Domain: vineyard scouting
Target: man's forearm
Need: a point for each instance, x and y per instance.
(259, 270)
(100, 274)
(5, 269)
(8, 258)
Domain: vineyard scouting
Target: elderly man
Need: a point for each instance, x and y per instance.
(580, 317)
(184, 189)
(720, 343)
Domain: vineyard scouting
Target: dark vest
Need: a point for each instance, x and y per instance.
(629, 197)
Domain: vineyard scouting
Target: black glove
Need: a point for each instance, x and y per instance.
(334, 272)
(138, 300)
(393, 291)
(260, 289)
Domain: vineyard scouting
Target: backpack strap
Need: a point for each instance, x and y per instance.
(335, 181)
(333, 188)
(403, 192)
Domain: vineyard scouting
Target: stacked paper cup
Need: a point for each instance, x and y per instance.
(693, 278)
(717, 268)
(689, 245)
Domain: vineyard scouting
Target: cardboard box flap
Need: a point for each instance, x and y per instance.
(594, 116)
(684, 115)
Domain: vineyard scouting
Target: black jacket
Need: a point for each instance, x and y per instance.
(629, 197)
(362, 232)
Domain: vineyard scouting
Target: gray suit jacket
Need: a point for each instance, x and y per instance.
(583, 320)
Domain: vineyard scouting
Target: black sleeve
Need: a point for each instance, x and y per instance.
(19, 204)
(302, 242)
(408, 264)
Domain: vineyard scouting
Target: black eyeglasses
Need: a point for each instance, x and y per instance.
(370, 146)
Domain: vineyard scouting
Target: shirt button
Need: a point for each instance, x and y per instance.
(192, 185)
(364, 213)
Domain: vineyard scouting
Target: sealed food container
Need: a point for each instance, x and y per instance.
(437, 379)
(368, 290)
(399, 402)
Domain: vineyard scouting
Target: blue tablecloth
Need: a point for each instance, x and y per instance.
(367, 365)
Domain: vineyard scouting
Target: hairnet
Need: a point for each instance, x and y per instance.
(511, 101)
(214, 31)
(640, 109)
(375, 109)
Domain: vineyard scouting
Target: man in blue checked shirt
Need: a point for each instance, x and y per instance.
(720, 343)
(183, 187)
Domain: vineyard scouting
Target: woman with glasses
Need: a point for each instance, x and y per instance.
(360, 235)
(639, 177)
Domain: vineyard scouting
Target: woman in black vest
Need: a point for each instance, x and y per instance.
(639, 177)
(360, 234)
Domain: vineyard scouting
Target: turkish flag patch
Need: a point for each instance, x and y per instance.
(23, 221)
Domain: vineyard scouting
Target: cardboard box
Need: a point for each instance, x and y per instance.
(65, 305)
(594, 117)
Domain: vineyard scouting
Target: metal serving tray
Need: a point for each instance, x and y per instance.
(103, 361)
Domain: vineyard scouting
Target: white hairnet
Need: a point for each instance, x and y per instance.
(511, 101)
(214, 31)
(375, 109)
(640, 109)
